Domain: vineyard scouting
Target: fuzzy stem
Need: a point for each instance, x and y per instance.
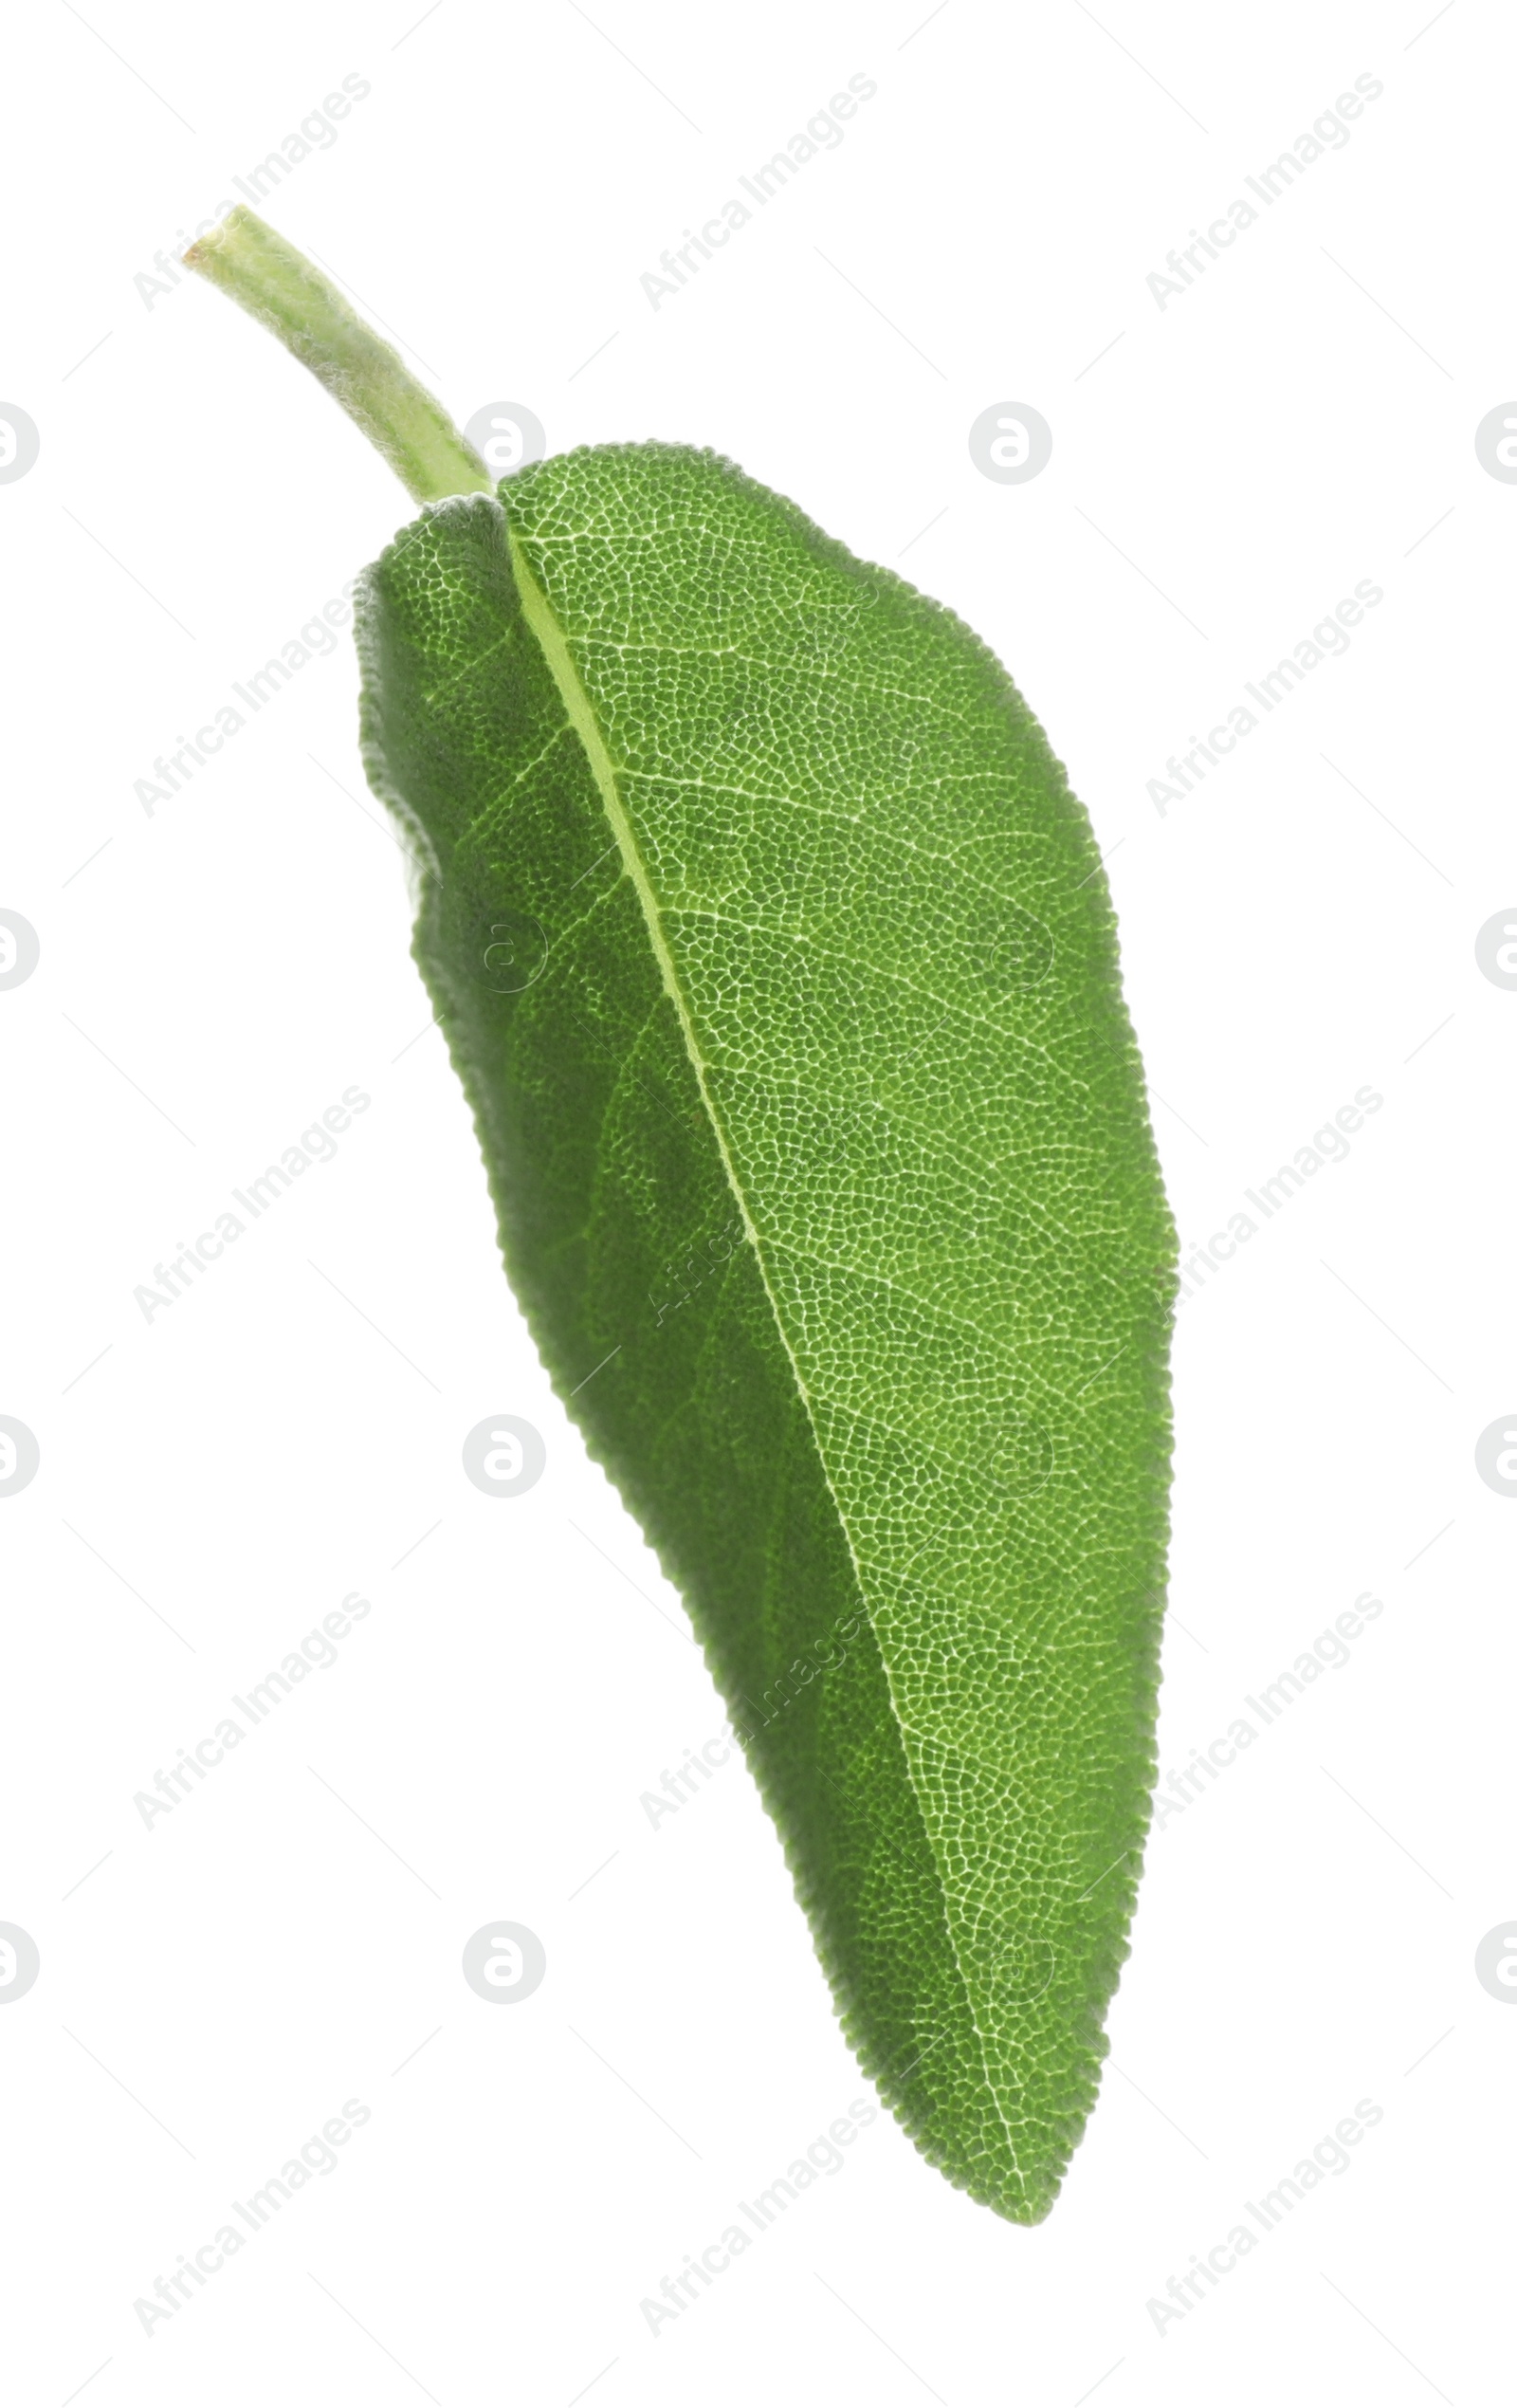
(278, 285)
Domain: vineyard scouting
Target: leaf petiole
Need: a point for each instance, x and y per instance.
(277, 284)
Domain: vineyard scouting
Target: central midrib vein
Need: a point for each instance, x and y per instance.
(556, 652)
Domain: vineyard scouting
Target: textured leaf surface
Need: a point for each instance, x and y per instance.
(779, 968)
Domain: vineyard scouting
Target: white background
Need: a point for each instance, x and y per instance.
(214, 975)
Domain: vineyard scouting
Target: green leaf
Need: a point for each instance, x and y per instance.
(779, 968)
(779, 965)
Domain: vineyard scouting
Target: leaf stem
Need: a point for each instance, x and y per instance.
(278, 285)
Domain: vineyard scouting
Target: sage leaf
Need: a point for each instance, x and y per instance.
(778, 966)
